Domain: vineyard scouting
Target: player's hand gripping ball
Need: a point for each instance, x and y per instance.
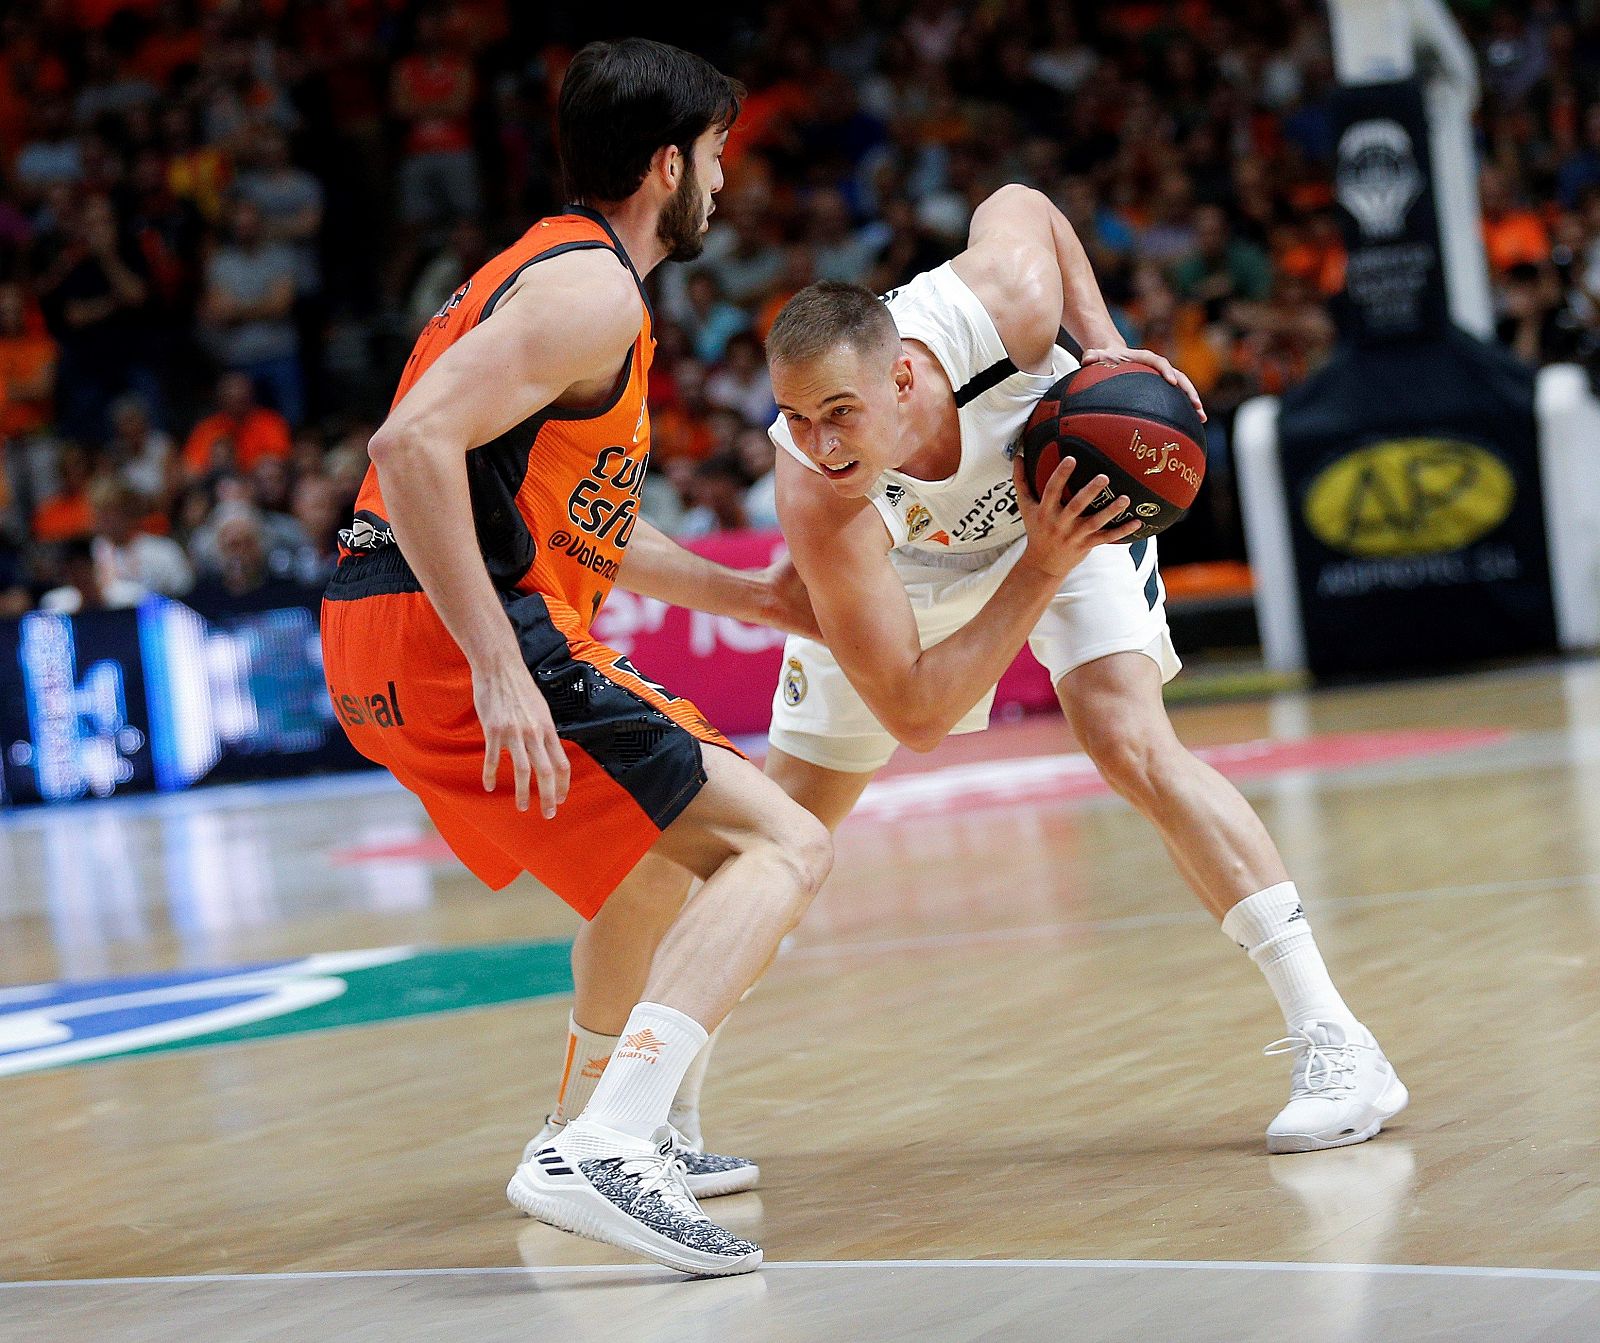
(1127, 422)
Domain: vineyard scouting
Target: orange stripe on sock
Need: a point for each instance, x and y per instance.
(566, 1071)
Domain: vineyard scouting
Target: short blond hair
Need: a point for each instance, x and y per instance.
(828, 314)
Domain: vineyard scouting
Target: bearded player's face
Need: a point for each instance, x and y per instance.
(687, 215)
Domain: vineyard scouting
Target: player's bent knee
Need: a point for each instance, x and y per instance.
(1127, 758)
(802, 848)
(806, 848)
(1148, 773)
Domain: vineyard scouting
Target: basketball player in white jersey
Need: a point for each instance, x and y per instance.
(928, 568)
(898, 500)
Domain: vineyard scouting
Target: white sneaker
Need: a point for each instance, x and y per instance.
(1342, 1090)
(707, 1174)
(627, 1192)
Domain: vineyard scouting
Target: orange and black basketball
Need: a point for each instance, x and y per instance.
(1127, 422)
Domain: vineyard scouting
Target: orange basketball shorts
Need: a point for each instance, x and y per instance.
(403, 691)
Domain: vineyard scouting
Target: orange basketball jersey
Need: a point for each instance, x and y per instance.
(554, 499)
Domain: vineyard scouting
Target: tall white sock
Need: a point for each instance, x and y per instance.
(1271, 925)
(685, 1113)
(587, 1054)
(635, 1092)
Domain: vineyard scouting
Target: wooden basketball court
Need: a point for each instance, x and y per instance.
(1005, 1083)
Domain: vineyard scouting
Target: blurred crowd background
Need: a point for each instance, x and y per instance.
(222, 224)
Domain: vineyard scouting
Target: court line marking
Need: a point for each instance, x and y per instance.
(1125, 922)
(668, 1275)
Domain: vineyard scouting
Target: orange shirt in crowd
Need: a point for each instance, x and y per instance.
(770, 310)
(1187, 343)
(763, 117)
(1145, 16)
(674, 432)
(260, 434)
(480, 23)
(63, 517)
(1320, 264)
(1515, 237)
(1192, 349)
(24, 359)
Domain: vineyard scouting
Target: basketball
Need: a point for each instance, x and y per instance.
(1127, 422)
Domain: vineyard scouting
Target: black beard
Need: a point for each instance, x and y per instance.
(679, 225)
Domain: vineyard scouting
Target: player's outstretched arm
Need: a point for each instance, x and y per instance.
(1028, 268)
(567, 329)
(654, 565)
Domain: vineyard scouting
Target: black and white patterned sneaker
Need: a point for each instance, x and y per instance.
(630, 1193)
(708, 1174)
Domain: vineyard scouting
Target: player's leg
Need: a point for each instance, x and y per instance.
(1214, 836)
(828, 792)
(612, 955)
(825, 747)
(829, 795)
(612, 952)
(612, 1173)
(647, 773)
(761, 859)
(1343, 1088)
(611, 958)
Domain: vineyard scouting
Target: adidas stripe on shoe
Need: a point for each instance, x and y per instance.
(708, 1174)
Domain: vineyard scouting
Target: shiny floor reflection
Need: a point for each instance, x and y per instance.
(1005, 1031)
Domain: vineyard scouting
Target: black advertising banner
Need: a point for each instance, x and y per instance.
(1394, 280)
(1415, 507)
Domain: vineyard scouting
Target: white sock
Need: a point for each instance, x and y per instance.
(635, 1092)
(587, 1053)
(1271, 925)
(685, 1113)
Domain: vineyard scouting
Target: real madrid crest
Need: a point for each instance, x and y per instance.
(794, 683)
(918, 520)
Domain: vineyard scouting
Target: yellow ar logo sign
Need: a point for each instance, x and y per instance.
(1409, 496)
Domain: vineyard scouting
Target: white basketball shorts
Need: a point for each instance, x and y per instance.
(1111, 603)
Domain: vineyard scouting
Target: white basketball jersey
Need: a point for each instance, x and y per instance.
(975, 508)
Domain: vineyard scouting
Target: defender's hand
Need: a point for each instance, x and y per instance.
(1122, 354)
(786, 604)
(1061, 532)
(516, 720)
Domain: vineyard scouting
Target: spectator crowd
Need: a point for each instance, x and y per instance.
(222, 223)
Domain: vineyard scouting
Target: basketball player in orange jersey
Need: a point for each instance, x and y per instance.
(501, 505)
(903, 512)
